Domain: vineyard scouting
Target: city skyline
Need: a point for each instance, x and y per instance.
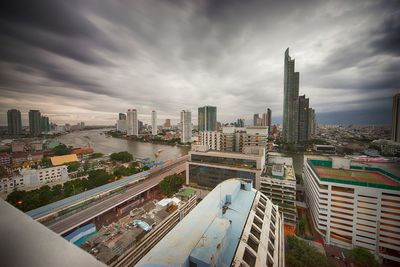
(203, 55)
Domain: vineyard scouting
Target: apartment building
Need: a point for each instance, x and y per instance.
(235, 138)
(236, 225)
(33, 178)
(354, 205)
(278, 183)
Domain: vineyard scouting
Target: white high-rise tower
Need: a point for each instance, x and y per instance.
(132, 122)
(186, 126)
(154, 122)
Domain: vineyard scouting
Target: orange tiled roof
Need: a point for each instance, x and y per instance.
(60, 160)
(81, 151)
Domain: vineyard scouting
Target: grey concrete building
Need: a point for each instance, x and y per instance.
(14, 122)
(207, 118)
(35, 125)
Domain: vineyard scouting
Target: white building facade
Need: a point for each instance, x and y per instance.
(186, 126)
(33, 178)
(354, 213)
(154, 122)
(132, 122)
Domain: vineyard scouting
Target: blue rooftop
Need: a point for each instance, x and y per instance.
(207, 235)
(66, 202)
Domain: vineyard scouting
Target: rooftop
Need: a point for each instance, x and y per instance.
(60, 160)
(356, 175)
(216, 236)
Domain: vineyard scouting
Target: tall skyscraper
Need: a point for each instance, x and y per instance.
(35, 126)
(122, 116)
(256, 119)
(269, 120)
(132, 122)
(396, 118)
(290, 103)
(312, 124)
(207, 118)
(303, 104)
(186, 126)
(45, 124)
(14, 122)
(239, 123)
(154, 122)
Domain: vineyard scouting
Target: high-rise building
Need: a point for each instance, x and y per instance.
(35, 126)
(154, 122)
(396, 118)
(234, 225)
(132, 122)
(239, 123)
(186, 126)
(14, 122)
(303, 104)
(269, 120)
(312, 124)
(353, 204)
(290, 100)
(167, 123)
(256, 120)
(45, 124)
(122, 116)
(207, 118)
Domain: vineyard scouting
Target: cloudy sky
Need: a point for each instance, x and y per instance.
(87, 60)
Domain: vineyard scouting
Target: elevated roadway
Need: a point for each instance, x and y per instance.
(62, 226)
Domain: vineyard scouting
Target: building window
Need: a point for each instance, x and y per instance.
(252, 243)
(249, 258)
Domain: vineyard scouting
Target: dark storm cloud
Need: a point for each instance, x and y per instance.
(102, 57)
(388, 40)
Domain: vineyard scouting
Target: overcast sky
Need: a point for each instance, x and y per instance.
(88, 60)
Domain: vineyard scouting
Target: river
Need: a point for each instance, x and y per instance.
(103, 144)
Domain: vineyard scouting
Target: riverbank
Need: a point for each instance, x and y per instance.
(147, 139)
(97, 140)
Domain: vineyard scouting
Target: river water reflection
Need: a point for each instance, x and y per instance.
(103, 144)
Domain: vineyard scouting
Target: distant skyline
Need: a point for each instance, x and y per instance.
(88, 61)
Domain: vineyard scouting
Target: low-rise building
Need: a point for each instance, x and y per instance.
(60, 160)
(22, 145)
(236, 225)
(5, 159)
(33, 178)
(83, 153)
(354, 205)
(208, 168)
(278, 183)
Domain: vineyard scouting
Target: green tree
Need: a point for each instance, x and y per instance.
(45, 162)
(171, 184)
(96, 155)
(302, 226)
(300, 254)
(123, 156)
(363, 257)
(61, 150)
(73, 166)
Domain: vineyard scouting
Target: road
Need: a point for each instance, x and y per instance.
(76, 219)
